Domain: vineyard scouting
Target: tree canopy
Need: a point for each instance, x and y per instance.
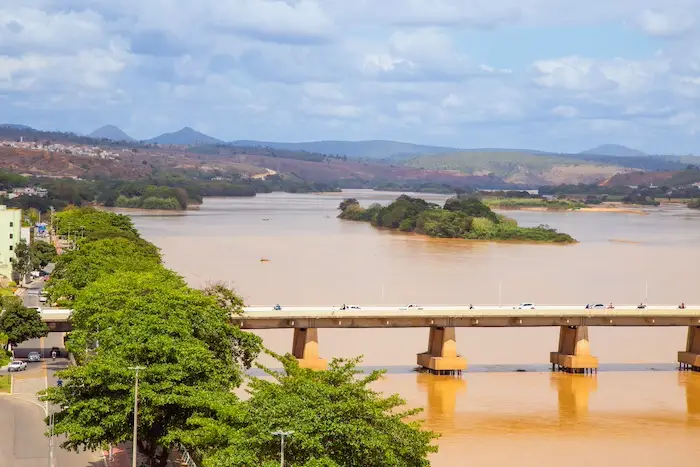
(337, 420)
(181, 336)
(78, 268)
(23, 263)
(20, 323)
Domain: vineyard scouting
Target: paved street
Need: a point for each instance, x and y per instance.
(32, 293)
(22, 426)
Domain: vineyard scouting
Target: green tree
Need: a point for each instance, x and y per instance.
(78, 268)
(181, 336)
(23, 263)
(337, 419)
(43, 253)
(20, 323)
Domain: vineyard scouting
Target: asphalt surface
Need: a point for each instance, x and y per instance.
(22, 415)
(33, 292)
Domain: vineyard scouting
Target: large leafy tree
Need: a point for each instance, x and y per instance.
(181, 336)
(78, 268)
(43, 253)
(23, 263)
(336, 417)
(20, 323)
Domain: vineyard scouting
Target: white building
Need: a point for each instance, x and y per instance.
(10, 234)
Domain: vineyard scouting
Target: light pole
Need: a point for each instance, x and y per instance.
(136, 412)
(51, 442)
(282, 434)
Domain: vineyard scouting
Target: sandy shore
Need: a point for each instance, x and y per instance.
(600, 208)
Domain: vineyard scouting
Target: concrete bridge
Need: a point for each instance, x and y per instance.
(573, 353)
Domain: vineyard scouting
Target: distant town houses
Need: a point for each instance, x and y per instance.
(28, 191)
(72, 149)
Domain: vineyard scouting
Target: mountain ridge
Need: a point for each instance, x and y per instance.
(110, 132)
(616, 150)
(184, 136)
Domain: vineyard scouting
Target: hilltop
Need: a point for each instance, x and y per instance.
(614, 150)
(110, 132)
(185, 136)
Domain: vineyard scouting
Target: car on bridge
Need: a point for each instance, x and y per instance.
(17, 365)
(525, 306)
(595, 306)
(411, 307)
(350, 307)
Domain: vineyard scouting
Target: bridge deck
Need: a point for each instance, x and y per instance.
(453, 316)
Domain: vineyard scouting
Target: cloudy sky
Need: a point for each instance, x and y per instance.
(559, 75)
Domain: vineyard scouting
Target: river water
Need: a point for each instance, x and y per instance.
(638, 411)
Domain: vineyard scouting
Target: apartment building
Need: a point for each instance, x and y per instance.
(10, 234)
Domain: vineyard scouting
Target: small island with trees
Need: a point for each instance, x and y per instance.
(460, 217)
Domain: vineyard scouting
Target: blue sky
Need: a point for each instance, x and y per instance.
(543, 74)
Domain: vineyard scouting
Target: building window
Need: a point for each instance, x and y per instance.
(10, 247)
(10, 236)
(12, 224)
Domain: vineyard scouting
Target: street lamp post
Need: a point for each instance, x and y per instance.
(136, 412)
(282, 434)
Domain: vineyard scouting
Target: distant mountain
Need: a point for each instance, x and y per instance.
(110, 132)
(614, 150)
(186, 136)
(15, 126)
(377, 149)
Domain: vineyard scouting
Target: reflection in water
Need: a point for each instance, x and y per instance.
(573, 391)
(691, 381)
(630, 418)
(442, 396)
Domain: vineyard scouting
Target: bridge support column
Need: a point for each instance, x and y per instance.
(690, 358)
(305, 349)
(441, 357)
(574, 354)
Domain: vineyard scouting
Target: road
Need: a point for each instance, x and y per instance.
(22, 426)
(32, 293)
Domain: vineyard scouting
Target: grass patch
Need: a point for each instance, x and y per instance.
(515, 203)
(5, 383)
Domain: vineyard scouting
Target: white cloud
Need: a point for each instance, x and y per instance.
(395, 69)
(666, 24)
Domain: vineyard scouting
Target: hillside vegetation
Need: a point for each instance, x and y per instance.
(460, 217)
(519, 167)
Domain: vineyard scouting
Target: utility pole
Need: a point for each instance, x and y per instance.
(282, 434)
(136, 413)
(51, 441)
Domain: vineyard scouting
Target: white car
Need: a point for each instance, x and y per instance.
(350, 307)
(595, 306)
(411, 307)
(525, 306)
(17, 365)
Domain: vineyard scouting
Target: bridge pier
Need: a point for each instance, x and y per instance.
(441, 357)
(574, 354)
(690, 358)
(305, 349)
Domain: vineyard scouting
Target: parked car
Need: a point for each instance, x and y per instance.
(17, 365)
(43, 298)
(525, 306)
(34, 357)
